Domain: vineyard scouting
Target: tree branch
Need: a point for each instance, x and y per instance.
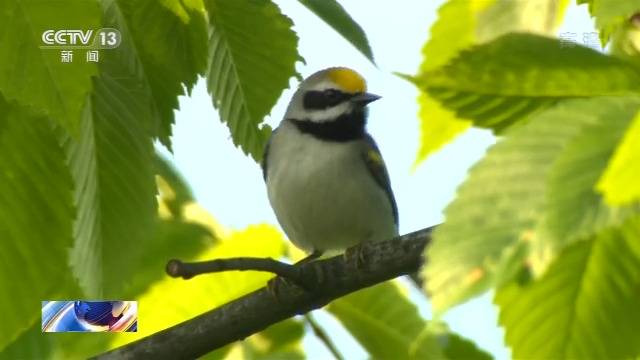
(332, 278)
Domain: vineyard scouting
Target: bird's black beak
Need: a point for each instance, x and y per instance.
(363, 99)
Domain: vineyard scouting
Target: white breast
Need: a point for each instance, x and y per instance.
(322, 193)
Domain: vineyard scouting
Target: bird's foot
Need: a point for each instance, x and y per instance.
(308, 282)
(314, 255)
(318, 274)
(275, 286)
(355, 255)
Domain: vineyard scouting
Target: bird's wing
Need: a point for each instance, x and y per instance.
(374, 162)
(265, 156)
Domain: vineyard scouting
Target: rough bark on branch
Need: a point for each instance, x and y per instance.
(249, 314)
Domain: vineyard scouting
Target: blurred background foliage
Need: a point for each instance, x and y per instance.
(549, 218)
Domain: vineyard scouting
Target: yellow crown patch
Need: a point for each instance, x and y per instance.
(348, 80)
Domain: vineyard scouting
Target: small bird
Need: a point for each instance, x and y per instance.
(326, 179)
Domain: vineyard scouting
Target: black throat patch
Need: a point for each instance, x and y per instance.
(346, 127)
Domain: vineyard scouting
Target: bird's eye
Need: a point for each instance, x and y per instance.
(322, 99)
(331, 94)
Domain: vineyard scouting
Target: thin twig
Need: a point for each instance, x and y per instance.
(319, 332)
(177, 268)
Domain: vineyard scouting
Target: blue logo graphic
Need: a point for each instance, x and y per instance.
(89, 316)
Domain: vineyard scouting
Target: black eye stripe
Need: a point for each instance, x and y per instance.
(319, 100)
(346, 127)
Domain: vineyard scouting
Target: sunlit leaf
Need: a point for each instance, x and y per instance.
(490, 224)
(331, 12)
(473, 22)
(171, 301)
(611, 14)
(184, 237)
(585, 306)
(499, 83)
(438, 126)
(625, 40)
(620, 182)
(542, 17)
(253, 54)
(174, 239)
(574, 210)
(36, 76)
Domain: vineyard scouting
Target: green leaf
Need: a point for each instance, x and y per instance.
(534, 16)
(381, 318)
(473, 22)
(586, 305)
(173, 189)
(436, 335)
(158, 311)
(112, 164)
(388, 326)
(36, 76)
(612, 14)
(36, 215)
(441, 46)
(184, 238)
(280, 341)
(439, 126)
(498, 68)
(34, 345)
(619, 184)
(489, 226)
(170, 40)
(625, 41)
(253, 55)
(574, 210)
(476, 22)
(499, 83)
(174, 239)
(30, 345)
(173, 34)
(163, 48)
(332, 13)
(459, 348)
